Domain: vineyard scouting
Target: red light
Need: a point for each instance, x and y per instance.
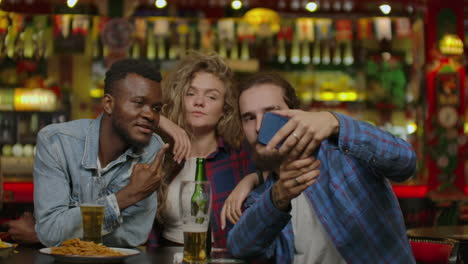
(22, 191)
(413, 191)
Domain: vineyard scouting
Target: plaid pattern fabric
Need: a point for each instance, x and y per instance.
(352, 199)
(224, 169)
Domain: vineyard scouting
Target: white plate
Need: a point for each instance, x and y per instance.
(5, 252)
(92, 259)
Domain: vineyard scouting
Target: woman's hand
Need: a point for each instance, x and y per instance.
(182, 145)
(232, 208)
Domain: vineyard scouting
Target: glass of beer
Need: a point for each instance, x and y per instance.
(195, 209)
(92, 208)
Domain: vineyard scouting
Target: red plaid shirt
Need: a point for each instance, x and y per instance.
(224, 168)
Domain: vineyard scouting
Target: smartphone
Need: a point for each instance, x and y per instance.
(271, 123)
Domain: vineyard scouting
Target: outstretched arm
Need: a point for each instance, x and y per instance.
(387, 155)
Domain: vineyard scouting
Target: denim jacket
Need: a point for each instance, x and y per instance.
(65, 152)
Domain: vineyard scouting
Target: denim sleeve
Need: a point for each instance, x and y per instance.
(135, 224)
(55, 220)
(259, 230)
(386, 155)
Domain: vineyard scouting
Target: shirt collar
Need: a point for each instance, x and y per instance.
(222, 147)
(90, 153)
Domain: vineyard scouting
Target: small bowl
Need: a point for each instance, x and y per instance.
(6, 252)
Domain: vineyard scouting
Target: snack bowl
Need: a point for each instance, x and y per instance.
(7, 251)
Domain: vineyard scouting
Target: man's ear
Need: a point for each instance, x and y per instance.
(108, 103)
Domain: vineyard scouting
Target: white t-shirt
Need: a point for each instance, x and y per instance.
(173, 224)
(311, 242)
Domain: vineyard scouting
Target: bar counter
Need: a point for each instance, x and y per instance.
(163, 255)
(32, 255)
(458, 232)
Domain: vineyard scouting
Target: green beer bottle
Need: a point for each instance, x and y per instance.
(200, 198)
(199, 201)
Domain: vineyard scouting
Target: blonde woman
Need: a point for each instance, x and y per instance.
(200, 98)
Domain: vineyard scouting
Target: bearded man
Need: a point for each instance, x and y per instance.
(327, 198)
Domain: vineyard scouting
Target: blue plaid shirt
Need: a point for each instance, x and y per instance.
(352, 199)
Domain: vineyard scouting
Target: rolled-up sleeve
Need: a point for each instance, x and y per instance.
(135, 225)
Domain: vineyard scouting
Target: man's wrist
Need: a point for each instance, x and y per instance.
(279, 202)
(126, 197)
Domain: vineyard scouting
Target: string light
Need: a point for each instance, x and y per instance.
(411, 128)
(337, 6)
(311, 7)
(160, 3)
(348, 6)
(236, 4)
(386, 9)
(71, 3)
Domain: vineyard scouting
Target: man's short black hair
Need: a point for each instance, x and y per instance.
(121, 68)
(289, 93)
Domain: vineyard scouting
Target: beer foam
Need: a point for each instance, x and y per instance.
(195, 228)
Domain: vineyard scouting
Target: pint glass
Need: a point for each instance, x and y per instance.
(195, 209)
(92, 209)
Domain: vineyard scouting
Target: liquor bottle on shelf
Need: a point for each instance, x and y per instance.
(245, 50)
(151, 48)
(326, 53)
(316, 54)
(281, 50)
(305, 59)
(5, 126)
(348, 58)
(295, 51)
(161, 48)
(234, 51)
(337, 54)
(222, 48)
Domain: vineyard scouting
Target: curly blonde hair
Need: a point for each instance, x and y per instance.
(175, 86)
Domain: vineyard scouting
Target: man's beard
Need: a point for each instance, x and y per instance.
(267, 163)
(132, 143)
